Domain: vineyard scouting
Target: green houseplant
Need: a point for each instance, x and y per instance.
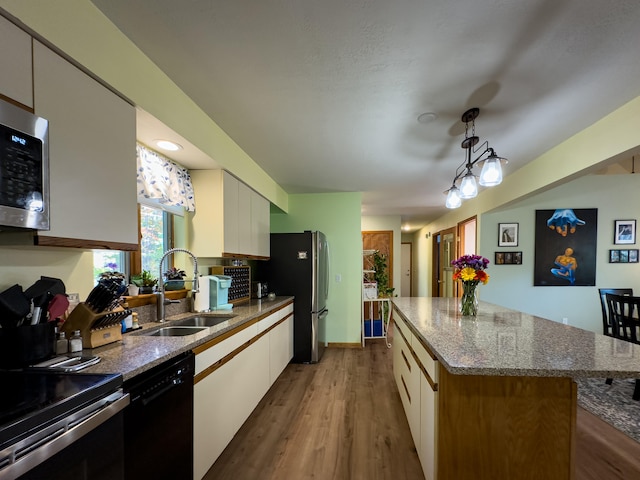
(145, 280)
(381, 277)
(174, 279)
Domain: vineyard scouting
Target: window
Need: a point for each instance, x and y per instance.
(164, 190)
(155, 233)
(155, 239)
(115, 260)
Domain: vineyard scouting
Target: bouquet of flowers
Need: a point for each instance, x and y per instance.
(470, 269)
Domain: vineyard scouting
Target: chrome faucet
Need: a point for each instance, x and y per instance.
(161, 301)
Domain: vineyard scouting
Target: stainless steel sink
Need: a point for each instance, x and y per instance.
(180, 331)
(204, 321)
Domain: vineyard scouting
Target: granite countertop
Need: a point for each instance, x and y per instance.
(138, 352)
(505, 342)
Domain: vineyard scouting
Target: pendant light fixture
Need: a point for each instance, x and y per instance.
(491, 173)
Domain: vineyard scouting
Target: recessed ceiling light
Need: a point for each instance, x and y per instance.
(427, 117)
(167, 145)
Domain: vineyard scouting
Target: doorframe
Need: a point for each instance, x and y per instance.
(435, 256)
(410, 266)
(461, 240)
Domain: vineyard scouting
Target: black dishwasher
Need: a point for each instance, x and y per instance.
(158, 424)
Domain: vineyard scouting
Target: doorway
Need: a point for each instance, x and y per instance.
(406, 262)
(448, 245)
(382, 241)
(443, 253)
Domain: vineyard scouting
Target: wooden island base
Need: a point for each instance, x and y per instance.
(505, 427)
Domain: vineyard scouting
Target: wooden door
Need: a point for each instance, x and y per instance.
(444, 251)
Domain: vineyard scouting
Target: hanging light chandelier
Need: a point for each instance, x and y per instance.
(465, 183)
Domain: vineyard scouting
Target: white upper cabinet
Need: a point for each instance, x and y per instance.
(226, 220)
(245, 243)
(92, 157)
(260, 224)
(16, 72)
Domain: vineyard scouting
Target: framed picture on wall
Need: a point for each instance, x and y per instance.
(508, 258)
(623, 256)
(507, 234)
(624, 232)
(565, 247)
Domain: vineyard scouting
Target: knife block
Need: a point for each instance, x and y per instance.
(96, 329)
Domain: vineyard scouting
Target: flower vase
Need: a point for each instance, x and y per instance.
(469, 300)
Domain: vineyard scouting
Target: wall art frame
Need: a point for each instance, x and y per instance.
(565, 247)
(624, 232)
(623, 256)
(508, 258)
(507, 234)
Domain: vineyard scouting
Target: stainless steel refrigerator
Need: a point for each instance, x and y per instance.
(299, 266)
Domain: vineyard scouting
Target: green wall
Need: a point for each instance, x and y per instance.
(337, 215)
(615, 197)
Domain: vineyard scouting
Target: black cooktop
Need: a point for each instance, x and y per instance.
(33, 399)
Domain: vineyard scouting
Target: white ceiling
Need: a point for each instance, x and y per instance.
(325, 95)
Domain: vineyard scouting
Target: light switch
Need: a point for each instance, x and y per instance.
(338, 277)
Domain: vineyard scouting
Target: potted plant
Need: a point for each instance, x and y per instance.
(111, 275)
(145, 281)
(174, 279)
(381, 277)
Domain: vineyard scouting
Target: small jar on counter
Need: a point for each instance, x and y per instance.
(134, 321)
(62, 345)
(75, 342)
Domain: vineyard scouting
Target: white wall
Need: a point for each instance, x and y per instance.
(617, 197)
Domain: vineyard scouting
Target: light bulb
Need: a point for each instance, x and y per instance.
(491, 173)
(453, 198)
(468, 186)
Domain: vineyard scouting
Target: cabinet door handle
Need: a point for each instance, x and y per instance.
(406, 360)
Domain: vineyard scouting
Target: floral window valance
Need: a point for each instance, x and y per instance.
(163, 181)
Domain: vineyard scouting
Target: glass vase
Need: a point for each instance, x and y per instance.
(469, 300)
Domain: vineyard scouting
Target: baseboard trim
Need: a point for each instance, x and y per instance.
(344, 345)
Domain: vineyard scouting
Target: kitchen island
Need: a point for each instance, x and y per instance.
(493, 397)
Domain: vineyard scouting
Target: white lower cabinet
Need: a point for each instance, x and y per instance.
(408, 380)
(280, 347)
(224, 400)
(232, 376)
(428, 415)
(416, 373)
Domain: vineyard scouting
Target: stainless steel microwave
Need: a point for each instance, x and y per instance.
(24, 169)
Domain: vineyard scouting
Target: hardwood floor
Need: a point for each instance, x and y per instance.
(604, 453)
(338, 419)
(342, 419)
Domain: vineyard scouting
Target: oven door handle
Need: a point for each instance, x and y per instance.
(46, 443)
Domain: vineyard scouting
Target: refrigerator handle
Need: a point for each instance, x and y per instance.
(327, 273)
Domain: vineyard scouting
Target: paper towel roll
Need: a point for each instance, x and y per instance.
(201, 299)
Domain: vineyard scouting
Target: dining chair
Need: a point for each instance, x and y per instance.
(606, 322)
(623, 314)
(624, 311)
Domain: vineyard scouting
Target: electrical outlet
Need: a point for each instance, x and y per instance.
(565, 320)
(338, 277)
